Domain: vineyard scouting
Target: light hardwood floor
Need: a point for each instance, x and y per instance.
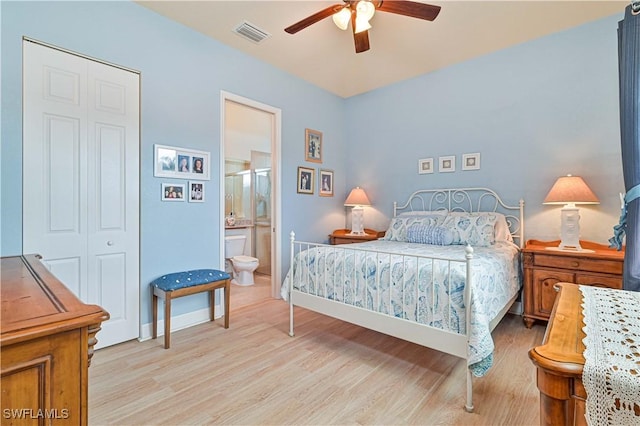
(331, 372)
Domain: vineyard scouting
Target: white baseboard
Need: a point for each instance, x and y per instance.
(180, 322)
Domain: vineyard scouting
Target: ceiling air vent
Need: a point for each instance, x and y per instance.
(251, 32)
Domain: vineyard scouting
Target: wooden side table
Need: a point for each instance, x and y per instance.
(340, 236)
(543, 267)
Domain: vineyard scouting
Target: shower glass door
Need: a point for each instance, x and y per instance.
(262, 214)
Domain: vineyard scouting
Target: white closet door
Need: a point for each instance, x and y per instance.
(81, 180)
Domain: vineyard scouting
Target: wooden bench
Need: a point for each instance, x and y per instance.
(180, 284)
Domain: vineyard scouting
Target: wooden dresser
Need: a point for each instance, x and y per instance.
(559, 362)
(47, 337)
(599, 265)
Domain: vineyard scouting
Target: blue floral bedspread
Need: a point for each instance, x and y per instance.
(415, 288)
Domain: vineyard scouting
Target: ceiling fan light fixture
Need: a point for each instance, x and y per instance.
(362, 24)
(366, 9)
(342, 18)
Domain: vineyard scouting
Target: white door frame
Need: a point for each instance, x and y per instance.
(276, 207)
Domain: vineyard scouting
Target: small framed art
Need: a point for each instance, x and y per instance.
(196, 192)
(326, 183)
(447, 164)
(172, 192)
(313, 145)
(305, 180)
(471, 161)
(180, 163)
(425, 166)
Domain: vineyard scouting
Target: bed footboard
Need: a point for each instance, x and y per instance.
(401, 295)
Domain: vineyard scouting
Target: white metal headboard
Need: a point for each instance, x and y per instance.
(466, 200)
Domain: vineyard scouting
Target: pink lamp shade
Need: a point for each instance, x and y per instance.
(357, 197)
(570, 190)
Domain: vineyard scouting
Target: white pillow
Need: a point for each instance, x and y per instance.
(442, 212)
(475, 229)
(501, 229)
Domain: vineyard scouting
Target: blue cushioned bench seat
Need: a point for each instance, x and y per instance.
(178, 284)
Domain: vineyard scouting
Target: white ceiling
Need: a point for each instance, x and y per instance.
(401, 47)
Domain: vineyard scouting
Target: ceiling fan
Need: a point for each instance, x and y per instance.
(359, 12)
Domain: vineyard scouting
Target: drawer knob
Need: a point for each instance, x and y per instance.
(575, 264)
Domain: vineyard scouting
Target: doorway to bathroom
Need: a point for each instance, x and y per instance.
(250, 196)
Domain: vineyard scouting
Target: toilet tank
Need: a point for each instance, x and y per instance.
(234, 245)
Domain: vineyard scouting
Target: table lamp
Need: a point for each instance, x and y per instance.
(357, 198)
(570, 190)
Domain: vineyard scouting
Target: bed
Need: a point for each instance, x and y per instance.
(443, 248)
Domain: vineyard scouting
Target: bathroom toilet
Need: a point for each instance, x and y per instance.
(243, 266)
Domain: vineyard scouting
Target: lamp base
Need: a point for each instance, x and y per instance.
(570, 229)
(357, 221)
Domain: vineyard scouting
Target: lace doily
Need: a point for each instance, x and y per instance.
(611, 374)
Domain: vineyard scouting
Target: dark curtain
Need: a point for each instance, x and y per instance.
(629, 69)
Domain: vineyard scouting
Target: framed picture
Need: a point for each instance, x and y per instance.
(305, 180)
(196, 192)
(181, 163)
(313, 145)
(447, 164)
(425, 166)
(326, 183)
(471, 161)
(172, 192)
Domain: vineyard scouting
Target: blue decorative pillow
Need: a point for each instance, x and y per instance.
(398, 227)
(429, 234)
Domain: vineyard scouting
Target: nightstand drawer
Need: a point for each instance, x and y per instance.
(576, 263)
(599, 281)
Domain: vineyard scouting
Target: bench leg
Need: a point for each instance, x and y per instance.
(154, 308)
(167, 320)
(227, 299)
(212, 303)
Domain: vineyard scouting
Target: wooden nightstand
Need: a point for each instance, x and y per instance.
(543, 268)
(339, 236)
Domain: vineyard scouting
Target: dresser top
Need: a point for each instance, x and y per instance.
(35, 303)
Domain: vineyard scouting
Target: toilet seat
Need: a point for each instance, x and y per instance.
(244, 259)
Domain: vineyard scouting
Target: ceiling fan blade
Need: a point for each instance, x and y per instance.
(361, 41)
(410, 8)
(310, 20)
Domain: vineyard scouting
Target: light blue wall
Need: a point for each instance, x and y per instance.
(535, 111)
(182, 74)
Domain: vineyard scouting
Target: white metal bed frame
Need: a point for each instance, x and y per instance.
(461, 199)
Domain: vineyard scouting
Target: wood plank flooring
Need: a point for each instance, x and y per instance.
(331, 372)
